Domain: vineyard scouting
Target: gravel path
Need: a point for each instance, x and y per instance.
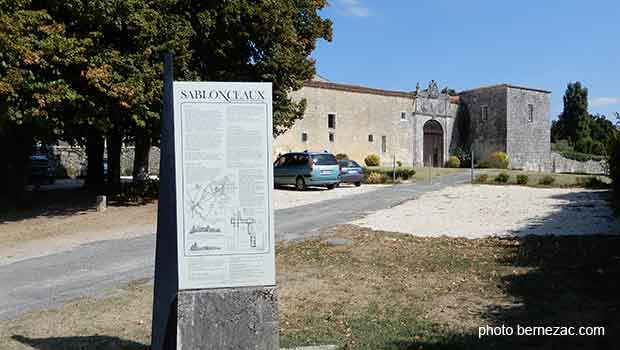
(476, 211)
(288, 197)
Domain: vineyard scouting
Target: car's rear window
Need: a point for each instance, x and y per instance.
(324, 159)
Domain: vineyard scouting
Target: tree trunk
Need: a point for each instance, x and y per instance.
(141, 158)
(94, 156)
(20, 142)
(4, 168)
(115, 144)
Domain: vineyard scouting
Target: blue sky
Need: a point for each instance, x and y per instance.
(393, 44)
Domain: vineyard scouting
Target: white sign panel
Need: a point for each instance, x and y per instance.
(223, 134)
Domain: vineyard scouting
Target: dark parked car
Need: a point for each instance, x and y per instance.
(351, 172)
(41, 170)
(305, 169)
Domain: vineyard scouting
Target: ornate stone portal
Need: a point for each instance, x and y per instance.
(434, 119)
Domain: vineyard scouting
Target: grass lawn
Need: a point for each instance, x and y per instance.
(534, 177)
(421, 173)
(388, 291)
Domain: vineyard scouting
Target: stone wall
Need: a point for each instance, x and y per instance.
(528, 142)
(71, 161)
(68, 161)
(489, 135)
(358, 115)
(559, 164)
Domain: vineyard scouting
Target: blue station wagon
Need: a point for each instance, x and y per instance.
(305, 169)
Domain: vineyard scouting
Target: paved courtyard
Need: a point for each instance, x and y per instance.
(476, 211)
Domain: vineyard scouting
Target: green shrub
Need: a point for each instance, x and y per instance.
(594, 183)
(453, 162)
(464, 156)
(342, 156)
(497, 160)
(502, 177)
(561, 146)
(376, 178)
(405, 173)
(581, 157)
(372, 160)
(399, 163)
(482, 178)
(140, 191)
(522, 179)
(546, 180)
(589, 146)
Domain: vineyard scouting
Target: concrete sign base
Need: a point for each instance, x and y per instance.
(228, 318)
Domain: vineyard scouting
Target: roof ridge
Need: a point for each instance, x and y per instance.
(505, 85)
(358, 88)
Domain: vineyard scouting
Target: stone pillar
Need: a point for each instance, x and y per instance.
(228, 318)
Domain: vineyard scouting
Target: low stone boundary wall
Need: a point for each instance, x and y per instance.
(71, 161)
(560, 164)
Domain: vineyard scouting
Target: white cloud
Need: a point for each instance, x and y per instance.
(605, 101)
(354, 8)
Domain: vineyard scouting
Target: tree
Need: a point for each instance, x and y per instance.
(600, 127)
(122, 80)
(35, 56)
(246, 40)
(613, 161)
(114, 91)
(572, 124)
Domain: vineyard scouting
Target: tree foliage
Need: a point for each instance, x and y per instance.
(613, 162)
(572, 124)
(84, 70)
(35, 96)
(584, 133)
(246, 40)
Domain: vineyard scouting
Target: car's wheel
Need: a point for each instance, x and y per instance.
(300, 183)
(331, 187)
(358, 184)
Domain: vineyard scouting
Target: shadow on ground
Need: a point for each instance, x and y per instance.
(56, 203)
(98, 342)
(572, 281)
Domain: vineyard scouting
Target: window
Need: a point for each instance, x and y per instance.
(530, 113)
(371, 138)
(304, 137)
(403, 116)
(324, 159)
(484, 113)
(332, 137)
(331, 121)
(299, 159)
(280, 161)
(383, 144)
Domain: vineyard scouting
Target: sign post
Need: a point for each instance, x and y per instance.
(226, 253)
(224, 216)
(163, 331)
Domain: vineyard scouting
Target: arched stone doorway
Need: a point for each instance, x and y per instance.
(433, 144)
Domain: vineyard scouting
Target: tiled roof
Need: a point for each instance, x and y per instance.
(367, 90)
(357, 88)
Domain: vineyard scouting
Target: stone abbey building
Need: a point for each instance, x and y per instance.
(421, 127)
(424, 126)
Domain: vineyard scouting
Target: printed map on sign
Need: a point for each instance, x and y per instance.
(225, 180)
